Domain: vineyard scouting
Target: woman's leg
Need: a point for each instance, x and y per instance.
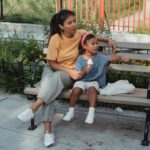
(55, 84)
(28, 114)
(75, 94)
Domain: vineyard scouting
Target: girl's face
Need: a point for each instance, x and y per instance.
(69, 27)
(91, 45)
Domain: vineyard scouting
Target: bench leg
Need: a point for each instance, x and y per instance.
(32, 126)
(145, 141)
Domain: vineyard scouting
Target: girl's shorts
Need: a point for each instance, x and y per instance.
(85, 85)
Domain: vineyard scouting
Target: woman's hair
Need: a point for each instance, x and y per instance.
(59, 19)
(84, 39)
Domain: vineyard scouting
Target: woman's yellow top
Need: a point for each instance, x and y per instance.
(64, 50)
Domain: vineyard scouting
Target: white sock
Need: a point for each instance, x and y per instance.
(69, 115)
(91, 115)
(27, 115)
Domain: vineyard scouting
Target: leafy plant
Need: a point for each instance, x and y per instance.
(16, 58)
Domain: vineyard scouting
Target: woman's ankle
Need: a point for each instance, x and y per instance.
(37, 104)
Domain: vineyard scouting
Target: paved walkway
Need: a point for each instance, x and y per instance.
(111, 131)
(135, 20)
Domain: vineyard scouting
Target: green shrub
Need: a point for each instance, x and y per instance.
(16, 59)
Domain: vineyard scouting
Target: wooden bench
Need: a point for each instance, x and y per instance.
(141, 97)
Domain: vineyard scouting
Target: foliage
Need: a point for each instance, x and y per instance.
(16, 59)
(29, 11)
(94, 28)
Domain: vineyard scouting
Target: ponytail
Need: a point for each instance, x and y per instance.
(54, 25)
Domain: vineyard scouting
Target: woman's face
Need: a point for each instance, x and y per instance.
(69, 27)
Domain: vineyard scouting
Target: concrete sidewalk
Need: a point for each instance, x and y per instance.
(111, 131)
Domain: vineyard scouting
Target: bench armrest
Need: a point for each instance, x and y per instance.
(34, 67)
(148, 88)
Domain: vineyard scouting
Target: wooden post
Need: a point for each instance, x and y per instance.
(59, 5)
(1, 16)
(101, 19)
(86, 10)
(70, 4)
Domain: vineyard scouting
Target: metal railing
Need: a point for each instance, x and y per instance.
(122, 15)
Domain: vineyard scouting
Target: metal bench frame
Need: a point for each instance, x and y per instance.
(119, 99)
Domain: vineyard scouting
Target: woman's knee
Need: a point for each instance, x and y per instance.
(64, 78)
(61, 74)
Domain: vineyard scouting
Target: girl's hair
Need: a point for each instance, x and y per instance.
(59, 19)
(84, 39)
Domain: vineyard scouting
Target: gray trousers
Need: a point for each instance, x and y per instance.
(52, 83)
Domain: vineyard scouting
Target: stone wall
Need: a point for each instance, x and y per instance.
(24, 31)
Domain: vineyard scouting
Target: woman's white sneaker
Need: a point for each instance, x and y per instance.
(48, 139)
(27, 115)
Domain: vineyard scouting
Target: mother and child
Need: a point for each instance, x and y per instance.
(61, 70)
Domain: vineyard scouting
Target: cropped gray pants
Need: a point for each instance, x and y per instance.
(52, 83)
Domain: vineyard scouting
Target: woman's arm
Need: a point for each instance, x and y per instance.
(111, 43)
(72, 73)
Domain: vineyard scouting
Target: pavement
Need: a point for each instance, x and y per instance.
(112, 130)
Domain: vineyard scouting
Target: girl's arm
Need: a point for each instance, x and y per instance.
(111, 43)
(115, 57)
(72, 73)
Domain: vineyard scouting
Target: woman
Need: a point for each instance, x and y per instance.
(59, 71)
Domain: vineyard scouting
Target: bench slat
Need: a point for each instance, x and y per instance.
(136, 56)
(117, 99)
(131, 68)
(137, 98)
(129, 45)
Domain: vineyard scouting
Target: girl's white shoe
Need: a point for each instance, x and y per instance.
(91, 115)
(48, 139)
(27, 115)
(69, 115)
(89, 119)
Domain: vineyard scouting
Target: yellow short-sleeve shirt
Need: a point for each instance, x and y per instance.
(64, 50)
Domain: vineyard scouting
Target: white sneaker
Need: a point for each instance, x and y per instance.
(27, 115)
(68, 116)
(90, 119)
(48, 139)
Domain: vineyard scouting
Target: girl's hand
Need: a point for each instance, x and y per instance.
(112, 45)
(88, 68)
(74, 74)
(125, 59)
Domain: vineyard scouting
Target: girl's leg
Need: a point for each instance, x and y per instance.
(92, 95)
(76, 91)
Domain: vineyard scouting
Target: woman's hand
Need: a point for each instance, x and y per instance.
(74, 74)
(112, 45)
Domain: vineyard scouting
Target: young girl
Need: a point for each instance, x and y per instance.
(92, 66)
(59, 71)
